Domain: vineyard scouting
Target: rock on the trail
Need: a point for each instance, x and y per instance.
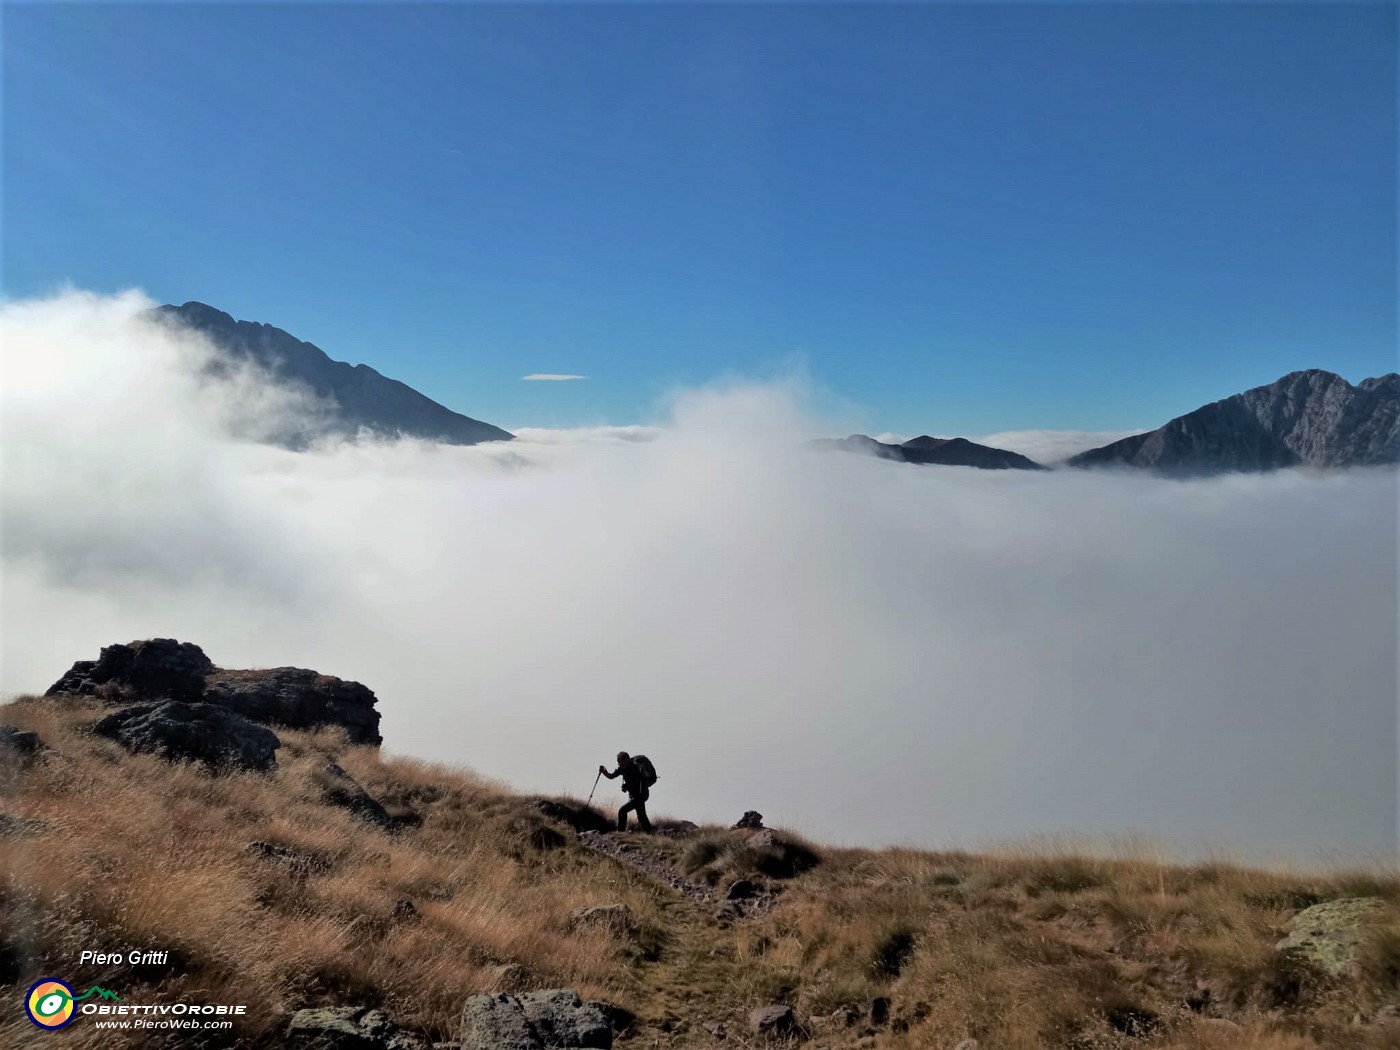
(341, 789)
(1329, 934)
(773, 1020)
(551, 1020)
(350, 1028)
(199, 732)
(751, 819)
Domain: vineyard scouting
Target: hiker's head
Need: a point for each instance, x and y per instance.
(624, 759)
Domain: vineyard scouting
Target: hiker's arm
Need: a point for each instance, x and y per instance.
(603, 770)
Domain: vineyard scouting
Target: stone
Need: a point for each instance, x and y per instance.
(741, 890)
(751, 819)
(339, 788)
(879, 1012)
(192, 732)
(1329, 935)
(548, 1020)
(19, 741)
(298, 698)
(773, 1020)
(350, 1028)
(154, 669)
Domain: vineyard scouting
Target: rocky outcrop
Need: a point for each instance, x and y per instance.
(164, 669)
(947, 452)
(154, 669)
(192, 732)
(350, 1028)
(19, 742)
(1311, 418)
(341, 789)
(356, 398)
(550, 1020)
(752, 818)
(297, 698)
(1329, 935)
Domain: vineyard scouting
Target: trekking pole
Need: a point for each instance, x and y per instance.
(595, 788)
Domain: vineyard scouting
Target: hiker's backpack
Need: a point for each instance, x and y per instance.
(648, 770)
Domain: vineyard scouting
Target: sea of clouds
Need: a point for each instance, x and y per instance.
(867, 651)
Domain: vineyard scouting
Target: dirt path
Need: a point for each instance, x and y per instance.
(652, 867)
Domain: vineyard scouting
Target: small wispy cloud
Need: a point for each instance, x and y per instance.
(553, 377)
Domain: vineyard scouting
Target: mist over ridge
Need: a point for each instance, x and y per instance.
(871, 653)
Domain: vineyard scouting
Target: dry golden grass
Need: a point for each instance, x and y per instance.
(1018, 949)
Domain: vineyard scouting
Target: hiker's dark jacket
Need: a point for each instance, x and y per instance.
(632, 782)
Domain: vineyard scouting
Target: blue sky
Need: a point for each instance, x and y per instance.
(957, 218)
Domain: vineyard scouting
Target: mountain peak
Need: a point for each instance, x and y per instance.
(1311, 417)
(357, 396)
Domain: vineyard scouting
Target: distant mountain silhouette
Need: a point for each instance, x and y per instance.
(948, 452)
(359, 398)
(1311, 418)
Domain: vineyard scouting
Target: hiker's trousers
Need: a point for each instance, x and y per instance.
(638, 805)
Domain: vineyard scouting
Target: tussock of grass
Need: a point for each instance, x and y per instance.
(265, 895)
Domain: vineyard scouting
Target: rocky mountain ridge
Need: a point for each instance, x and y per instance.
(1309, 418)
(356, 396)
(947, 452)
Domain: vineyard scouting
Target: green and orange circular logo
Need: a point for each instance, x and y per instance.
(49, 1003)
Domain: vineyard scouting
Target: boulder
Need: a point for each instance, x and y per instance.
(158, 668)
(19, 741)
(1329, 934)
(751, 819)
(298, 698)
(198, 732)
(549, 1020)
(773, 1020)
(341, 789)
(351, 1028)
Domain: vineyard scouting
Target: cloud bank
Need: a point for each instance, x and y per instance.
(1053, 446)
(550, 377)
(868, 651)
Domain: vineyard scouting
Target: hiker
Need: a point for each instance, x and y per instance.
(637, 777)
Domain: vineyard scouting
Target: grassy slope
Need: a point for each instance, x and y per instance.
(1017, 951)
